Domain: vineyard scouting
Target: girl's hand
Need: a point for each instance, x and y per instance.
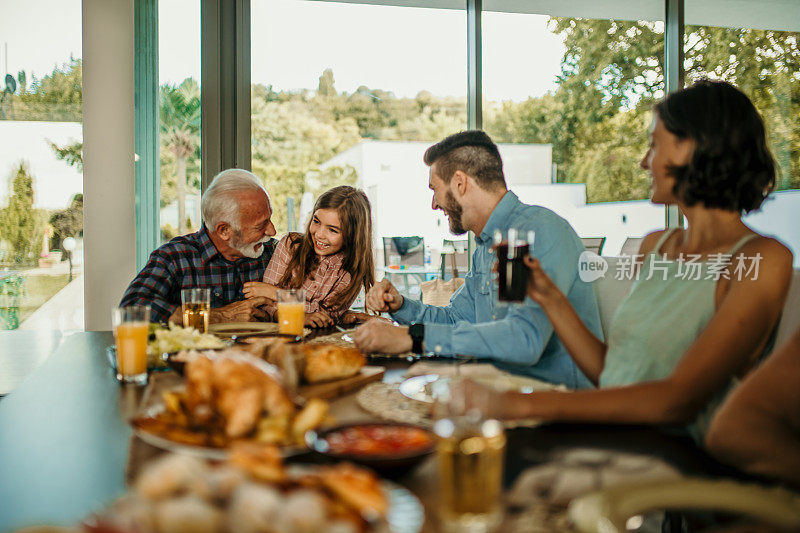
(255, 289)
(318, 319)
(541, 288)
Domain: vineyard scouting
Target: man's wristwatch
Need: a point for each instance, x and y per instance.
(417, 332)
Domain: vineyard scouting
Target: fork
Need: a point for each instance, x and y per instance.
(346, 337)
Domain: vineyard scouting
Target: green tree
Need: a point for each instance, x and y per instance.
(58, 96)
(67, 222)
(71, 154)
(179, 114)
(326, 86)
(21, 225)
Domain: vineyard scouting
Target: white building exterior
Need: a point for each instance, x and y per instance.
(395, 179)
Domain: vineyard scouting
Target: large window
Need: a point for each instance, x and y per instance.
(572, 98)
(354, 94)
(41, 179)
(179, 116)
(765, 64)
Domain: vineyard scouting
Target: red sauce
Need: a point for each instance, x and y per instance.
(378, 440)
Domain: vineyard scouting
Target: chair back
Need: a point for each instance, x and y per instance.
(455, 257)
(631, 246)
(594, 244)
(409, 251)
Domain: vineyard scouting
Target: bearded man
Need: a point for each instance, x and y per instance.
(466, 177)
(233, 247)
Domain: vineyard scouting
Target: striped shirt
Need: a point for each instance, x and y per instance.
(192, 261)
(324, 283)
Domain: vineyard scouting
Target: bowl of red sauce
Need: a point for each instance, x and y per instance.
(391, 449)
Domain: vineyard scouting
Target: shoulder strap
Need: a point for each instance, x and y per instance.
(741, 242)
(667, 234)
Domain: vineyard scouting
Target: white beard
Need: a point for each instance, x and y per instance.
(251, 250)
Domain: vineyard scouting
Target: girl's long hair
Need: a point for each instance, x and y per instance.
(356, 219)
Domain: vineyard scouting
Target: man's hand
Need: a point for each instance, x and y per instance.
(384, 298)
(243, 311)
(318, 319)
(378, 336)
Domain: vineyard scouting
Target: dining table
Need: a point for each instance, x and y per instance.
(65, 438)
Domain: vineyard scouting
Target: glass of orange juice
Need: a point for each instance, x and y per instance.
(291, 311)
(131, 326)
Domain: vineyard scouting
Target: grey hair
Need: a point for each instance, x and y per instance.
(220, 202)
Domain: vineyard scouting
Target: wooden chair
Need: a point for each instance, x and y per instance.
(594, 244)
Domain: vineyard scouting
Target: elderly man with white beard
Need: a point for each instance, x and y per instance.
(233, 247)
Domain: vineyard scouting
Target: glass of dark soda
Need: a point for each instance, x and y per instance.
(511, 247)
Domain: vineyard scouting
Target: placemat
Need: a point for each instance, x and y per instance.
(384, 400)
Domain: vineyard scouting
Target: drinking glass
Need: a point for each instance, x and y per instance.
(511, 247)
(196, 308)
(131, 326)
(291, 311)
(470, 450)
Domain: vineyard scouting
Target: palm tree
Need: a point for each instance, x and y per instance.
(180, 129)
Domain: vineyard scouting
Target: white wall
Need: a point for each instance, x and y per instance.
(108, 173)
(54, 182)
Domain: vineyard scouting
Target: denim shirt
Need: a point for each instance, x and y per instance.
(518, 338)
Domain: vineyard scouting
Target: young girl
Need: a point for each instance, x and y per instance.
(331, 262)
(677, 343)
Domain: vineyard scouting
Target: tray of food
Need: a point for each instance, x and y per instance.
(255, 491)
(229, 396)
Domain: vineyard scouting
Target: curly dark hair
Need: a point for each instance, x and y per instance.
(472, 152)
(732, 167)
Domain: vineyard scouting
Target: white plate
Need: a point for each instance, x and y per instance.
(422, 388)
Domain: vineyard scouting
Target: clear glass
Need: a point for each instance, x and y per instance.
(291, 311)
(512, 247)
(763, 64)
(572, 125)
(470, 454)
(131, 327)
(179, 116)
(196, 308)
(41, 167)
(341, 96)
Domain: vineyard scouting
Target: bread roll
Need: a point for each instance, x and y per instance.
(325, 362)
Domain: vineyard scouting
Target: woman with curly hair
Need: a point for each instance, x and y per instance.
(707, 298)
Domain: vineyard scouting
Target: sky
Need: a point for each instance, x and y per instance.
(293, 41)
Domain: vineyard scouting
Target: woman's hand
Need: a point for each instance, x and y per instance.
(489, 401)
(318, 319)
(541, 288)
(255, 289)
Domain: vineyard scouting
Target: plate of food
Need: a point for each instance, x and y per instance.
(170, 339)
(229, 396)
(387, 447)
(255, 491)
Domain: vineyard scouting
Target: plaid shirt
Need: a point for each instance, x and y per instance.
(192, 261)
(324, 283)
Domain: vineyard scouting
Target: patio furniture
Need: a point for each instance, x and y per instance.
(594, 244)
(631, 246)
(455, 255)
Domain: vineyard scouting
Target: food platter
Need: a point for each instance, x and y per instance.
(216, 453)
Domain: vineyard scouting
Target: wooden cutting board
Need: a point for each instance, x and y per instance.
(340, 387)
